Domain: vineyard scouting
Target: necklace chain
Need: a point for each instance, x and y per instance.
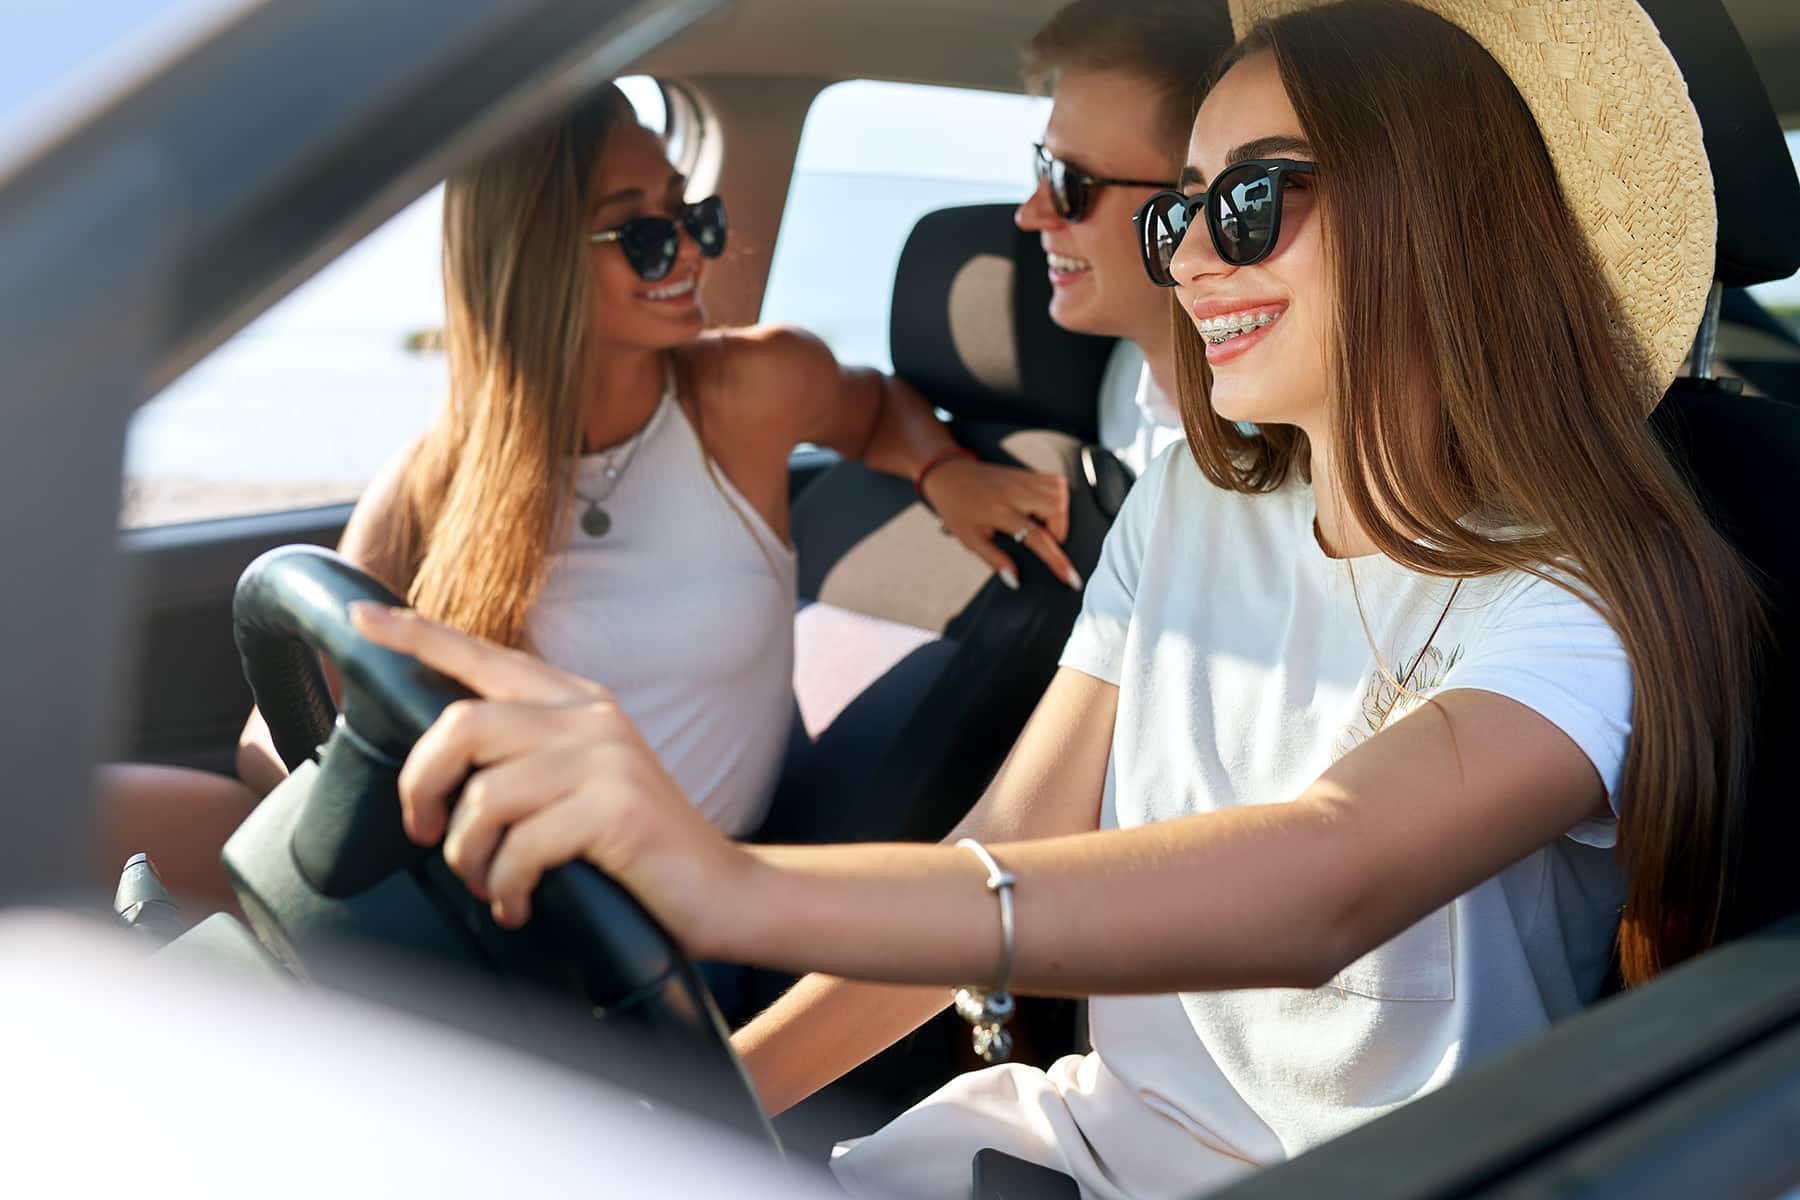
(1401, 689)
(613, 465)
(596, 522)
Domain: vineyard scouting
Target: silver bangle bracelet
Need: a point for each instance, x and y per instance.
(987, 1011)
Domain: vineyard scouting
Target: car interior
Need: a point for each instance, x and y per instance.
(915, 668)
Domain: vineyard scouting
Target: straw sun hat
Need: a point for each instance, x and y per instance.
(1614, 111)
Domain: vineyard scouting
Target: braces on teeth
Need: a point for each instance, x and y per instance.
(1219, 330)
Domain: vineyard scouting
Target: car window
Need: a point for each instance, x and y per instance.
(1782, 299)
(306, 403)
(874, 158)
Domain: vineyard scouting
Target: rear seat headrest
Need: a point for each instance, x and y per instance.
(1753, 172)
(971, 326)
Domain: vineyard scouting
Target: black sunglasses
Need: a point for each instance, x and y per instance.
(1072, 190)
(651, 244)
(1243, 214)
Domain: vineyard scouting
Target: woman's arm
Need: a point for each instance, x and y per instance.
(1282, 894)
(1050, 784)
(801, 393)
(364, 542)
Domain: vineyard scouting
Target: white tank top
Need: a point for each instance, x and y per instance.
(684, 609)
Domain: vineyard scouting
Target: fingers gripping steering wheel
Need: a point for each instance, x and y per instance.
(588, 939)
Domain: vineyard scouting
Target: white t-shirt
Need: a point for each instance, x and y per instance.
(1243, 671)
(1138, 421)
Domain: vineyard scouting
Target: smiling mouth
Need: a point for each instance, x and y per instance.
(1231, 326)
(1067, 266)
(673, 291)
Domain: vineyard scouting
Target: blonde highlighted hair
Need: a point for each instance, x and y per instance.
(486, 493)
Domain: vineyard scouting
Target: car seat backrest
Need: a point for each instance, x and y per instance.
(971, 326)
(1742, 453)
(971, 330)
(915, 667)
(1753, 173)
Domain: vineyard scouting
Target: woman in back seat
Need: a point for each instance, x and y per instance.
(1385, 722)
(607, 485)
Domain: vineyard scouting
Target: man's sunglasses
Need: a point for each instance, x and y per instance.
(1243, 214)
(651, 244)
(1072, 190)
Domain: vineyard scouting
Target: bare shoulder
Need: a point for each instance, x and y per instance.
(381, 499)
(762, 376)
(774, 355)
(369, 534)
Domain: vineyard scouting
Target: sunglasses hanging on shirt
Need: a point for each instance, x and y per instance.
(1243, 215)
(651, 244)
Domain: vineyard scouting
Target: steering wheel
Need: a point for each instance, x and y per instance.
(588, 940)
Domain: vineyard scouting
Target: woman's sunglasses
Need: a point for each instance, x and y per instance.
(651, 244)
(1243, 214)
(1071, 190)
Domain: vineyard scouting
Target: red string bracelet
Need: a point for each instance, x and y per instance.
(934, 462)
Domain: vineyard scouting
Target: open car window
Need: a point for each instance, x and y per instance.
(873, 159)
(306, 403)
(1782, 298)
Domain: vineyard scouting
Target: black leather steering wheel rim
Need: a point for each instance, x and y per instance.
(587, 936)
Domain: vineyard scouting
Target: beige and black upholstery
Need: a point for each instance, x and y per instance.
(915, 667)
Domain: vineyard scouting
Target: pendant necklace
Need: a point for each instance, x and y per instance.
(596, 522)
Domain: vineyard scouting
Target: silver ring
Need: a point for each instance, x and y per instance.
(1023, 531)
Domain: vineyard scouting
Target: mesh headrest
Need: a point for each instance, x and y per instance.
(971, 326)
(1753, 173)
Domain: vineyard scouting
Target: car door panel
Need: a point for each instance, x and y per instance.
(188, 698)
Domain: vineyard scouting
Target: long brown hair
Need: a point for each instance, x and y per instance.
(487, 490)
(1491, 418)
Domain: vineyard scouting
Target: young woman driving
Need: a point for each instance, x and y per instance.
(1384, 726)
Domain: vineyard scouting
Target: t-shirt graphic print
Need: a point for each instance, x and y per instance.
(1385, 701)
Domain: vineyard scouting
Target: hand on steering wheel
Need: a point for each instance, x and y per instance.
(549, 770)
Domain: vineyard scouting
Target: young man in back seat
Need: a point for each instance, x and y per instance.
(1125, 78)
